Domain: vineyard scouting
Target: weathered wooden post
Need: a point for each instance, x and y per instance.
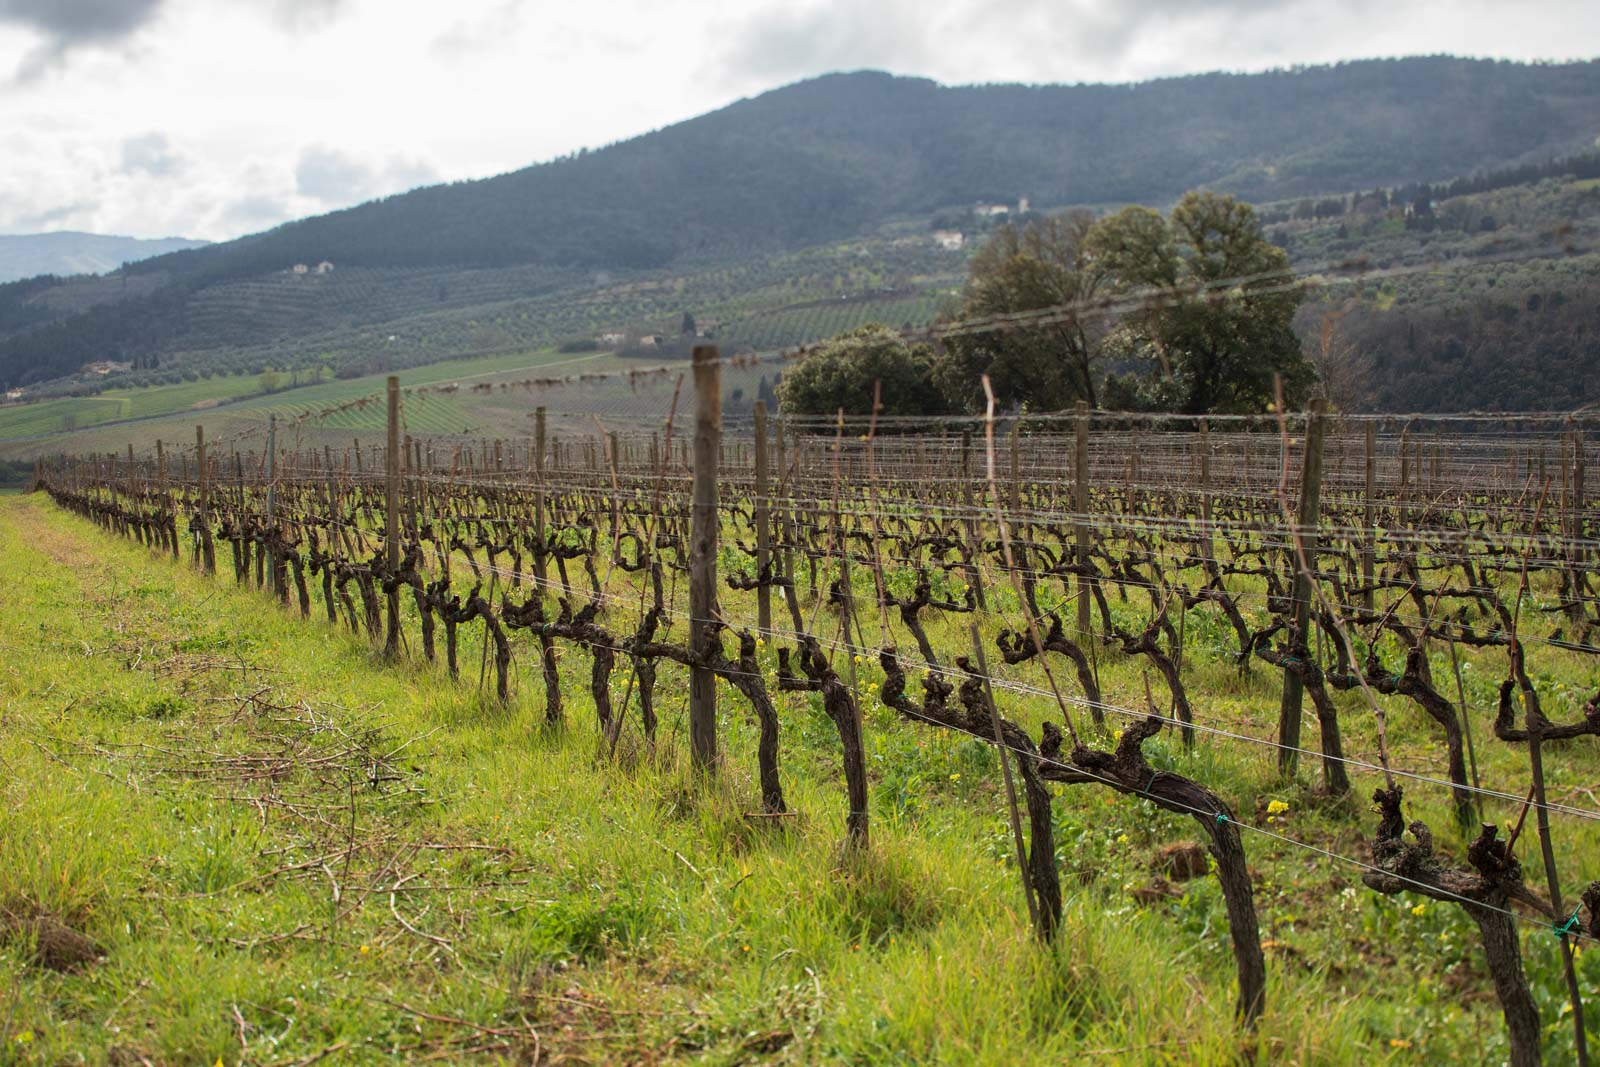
(974, 542)
(1080, 504)
(1208, 539)
(391, 518)
(1405, 474)
(707, 364)
(1305, 542)
(1369, 537)
(272, 502)
(166, 501)
(538, 499)
(763, 525)
(207, 552)
(1578, 525)
(785, 517)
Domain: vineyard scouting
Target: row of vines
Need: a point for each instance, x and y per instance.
(1004, 582)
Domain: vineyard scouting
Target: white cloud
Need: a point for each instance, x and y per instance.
(213, 118)
(152, 154)
(337, 179)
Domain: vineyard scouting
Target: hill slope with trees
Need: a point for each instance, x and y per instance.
(834, 158)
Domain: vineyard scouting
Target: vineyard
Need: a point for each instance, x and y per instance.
(358, 320)
(1311, 697)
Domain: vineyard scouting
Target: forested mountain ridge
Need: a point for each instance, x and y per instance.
(816, 162)
(840, 154)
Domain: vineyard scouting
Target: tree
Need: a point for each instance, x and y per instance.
(841, 373)
(1216, 301)
(1045, 264)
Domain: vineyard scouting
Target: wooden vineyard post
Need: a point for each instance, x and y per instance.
(975, 570)
(1369, 535)
(207, 552)
(391, 518)
(538, 499)
(272, 501)
(1405, 475)
(763, 526)
(857, 819)
(784, 517)
(1080, 504)
(411, 485)
(608, 447)
(1305, 542)
(1535, 732)
(1134, 472)
(1011, 787)
(1578, 525)
(161, 487)
(129, 488)
(703, 555)
(1208, 539)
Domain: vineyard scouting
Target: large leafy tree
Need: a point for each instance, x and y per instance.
(842, 372)
(1195, 309)
(1212, 305)
(1048, 364)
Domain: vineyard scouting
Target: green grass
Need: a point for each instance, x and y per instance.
(114, 405)
(279, 847)
(429, 412)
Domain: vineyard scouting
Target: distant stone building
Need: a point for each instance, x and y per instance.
(949, 240)
(299, 268)
(104, 367)
(325, 267)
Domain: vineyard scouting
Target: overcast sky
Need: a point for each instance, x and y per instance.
(214, 118)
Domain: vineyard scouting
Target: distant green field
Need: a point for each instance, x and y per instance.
(72, 414)
(115, 405)
(817, 321)
(313, 411)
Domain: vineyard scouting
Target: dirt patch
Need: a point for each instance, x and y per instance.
(50, 941)
(1182, 861)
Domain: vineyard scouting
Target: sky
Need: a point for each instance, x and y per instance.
(216, 118)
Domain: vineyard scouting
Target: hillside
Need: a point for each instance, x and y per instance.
(841, 154)
(803, 197)
(66, 253)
